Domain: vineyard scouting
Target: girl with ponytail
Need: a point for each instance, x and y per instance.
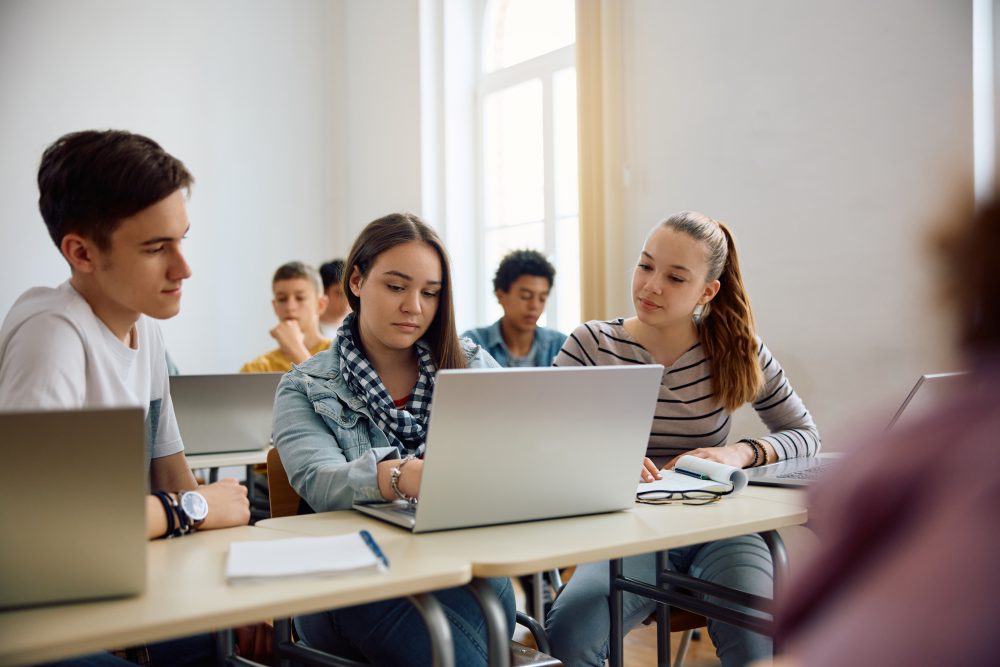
(693, 316)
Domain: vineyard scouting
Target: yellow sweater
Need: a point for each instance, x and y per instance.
(275, 361)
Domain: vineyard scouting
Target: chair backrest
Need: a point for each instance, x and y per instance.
(284, 500)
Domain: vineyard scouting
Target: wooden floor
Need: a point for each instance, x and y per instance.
(640, 648)
(640, 644)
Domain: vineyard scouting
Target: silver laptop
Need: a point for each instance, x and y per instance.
(72, 508)
(519, 444)
(224, 413)
(929, 390)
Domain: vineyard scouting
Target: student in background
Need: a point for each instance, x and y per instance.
(298, 302)
(907, 573)
(522, 284)
(693, 316)
(332, 273)
(114, 204)
(350, 425)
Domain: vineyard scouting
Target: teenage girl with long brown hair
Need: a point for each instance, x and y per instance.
(692, 316)
(350, 425)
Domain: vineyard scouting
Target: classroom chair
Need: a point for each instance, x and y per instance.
(286, 502)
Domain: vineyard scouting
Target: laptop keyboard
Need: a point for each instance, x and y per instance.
(409, 509)
(809, 474)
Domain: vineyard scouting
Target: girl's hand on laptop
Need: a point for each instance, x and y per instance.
(650, 473)
(409, 477)
(227, 504)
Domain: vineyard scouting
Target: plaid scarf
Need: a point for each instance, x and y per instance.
(405, 429)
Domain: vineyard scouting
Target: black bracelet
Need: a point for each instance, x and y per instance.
(753, 446)
(168, 510)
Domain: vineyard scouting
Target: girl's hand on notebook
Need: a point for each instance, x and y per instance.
(735, 455)
(649, 473)
(227, 504)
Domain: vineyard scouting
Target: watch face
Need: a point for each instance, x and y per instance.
(194, 505)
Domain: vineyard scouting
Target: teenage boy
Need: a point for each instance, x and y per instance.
(298, 302)
(114, 204)
(522, 284)
(337, 308)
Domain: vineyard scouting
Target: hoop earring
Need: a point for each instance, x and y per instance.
(698, 315)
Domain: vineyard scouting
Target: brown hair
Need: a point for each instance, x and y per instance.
(89, 181)
(726, 328)
(388, 232)
(298, 270)
(972, 281)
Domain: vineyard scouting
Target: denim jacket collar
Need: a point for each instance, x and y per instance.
(325, 366)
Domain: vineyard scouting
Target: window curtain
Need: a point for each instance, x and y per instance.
(601, 162)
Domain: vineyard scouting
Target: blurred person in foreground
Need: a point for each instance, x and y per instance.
(908, 575)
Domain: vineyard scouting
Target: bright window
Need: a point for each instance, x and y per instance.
(528, 166)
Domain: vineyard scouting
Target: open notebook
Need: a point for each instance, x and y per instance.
(693, 474)
(352, 553)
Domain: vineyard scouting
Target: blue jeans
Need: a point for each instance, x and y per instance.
(579, 623)
(392, 632)
(196, 651)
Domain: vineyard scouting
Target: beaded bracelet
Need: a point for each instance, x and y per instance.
(753, 446)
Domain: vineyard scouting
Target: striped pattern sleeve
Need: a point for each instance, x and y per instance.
(792, 430)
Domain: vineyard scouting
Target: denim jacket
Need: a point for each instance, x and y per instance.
(328, 441)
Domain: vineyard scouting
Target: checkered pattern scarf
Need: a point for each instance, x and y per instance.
(406, 429)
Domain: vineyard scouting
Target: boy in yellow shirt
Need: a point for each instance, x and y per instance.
(298, 302)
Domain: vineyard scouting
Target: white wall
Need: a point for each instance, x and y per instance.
(828, 134)
(298, 119)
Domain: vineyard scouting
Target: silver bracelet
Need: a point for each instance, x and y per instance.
(394, 475)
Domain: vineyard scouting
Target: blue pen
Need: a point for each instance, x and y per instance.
(373, 545)
(696, 475)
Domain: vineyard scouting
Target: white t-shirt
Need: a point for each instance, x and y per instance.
(56, 354)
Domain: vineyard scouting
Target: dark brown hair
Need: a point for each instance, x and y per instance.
(968, 250)
(89, 181)
(726, 328)
(388, 232)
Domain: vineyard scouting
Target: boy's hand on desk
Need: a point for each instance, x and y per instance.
(650, 473)
(227, 504)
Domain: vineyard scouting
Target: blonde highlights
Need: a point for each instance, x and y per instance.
(726, 328)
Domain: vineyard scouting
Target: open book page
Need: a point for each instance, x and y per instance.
(704, 475)
(302, 556)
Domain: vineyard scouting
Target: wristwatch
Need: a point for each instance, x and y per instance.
(194, 508)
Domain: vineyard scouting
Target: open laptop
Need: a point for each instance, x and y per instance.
(929, 390)
(519, 444)
(72, 508)
(224, 413)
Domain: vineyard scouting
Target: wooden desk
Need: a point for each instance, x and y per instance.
(248, 458)
(525, 548)
(187, 594)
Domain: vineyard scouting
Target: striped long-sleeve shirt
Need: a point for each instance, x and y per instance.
(688, 414)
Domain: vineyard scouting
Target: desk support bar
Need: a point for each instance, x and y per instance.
(442, 648)
(616, 651)
(288, 651)
(679, 590)
(496, 622)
